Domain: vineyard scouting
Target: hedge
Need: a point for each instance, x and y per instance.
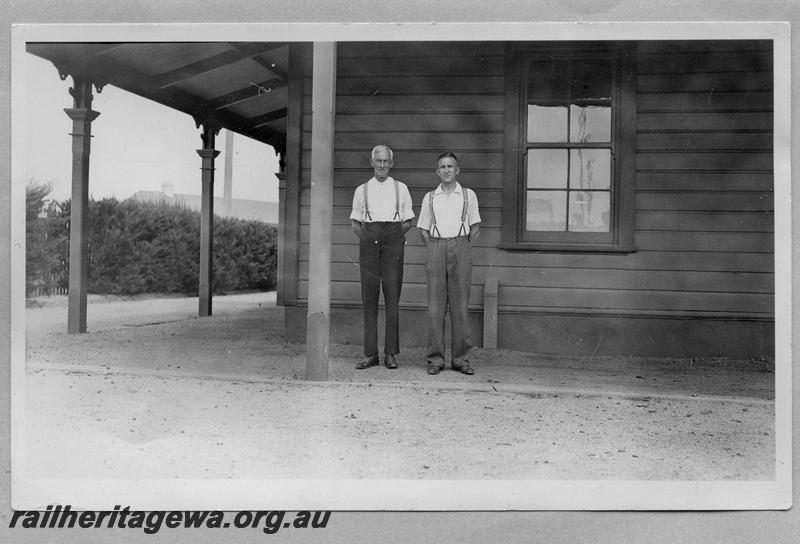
(146, 247)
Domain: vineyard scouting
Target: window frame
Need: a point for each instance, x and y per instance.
(620, 238)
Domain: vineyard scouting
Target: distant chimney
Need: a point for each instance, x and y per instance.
(166, 188)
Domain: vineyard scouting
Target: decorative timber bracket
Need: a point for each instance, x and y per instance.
(210, 129)
(81, 90)
(280, 150)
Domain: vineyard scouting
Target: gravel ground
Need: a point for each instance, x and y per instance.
(152, 391)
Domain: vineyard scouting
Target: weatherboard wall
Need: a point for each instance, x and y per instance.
(701, 280)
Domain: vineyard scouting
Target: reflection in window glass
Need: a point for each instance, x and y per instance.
(590, 169)
(589, 211)
(588, 124)
(547, 169)
(546, 211)
(569, 148)
(547, 123)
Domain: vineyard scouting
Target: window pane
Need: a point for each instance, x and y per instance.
(589, 211)
(547, 169)
(589, 169)
(546, 210)
(587, 124)
(547, 123)
(547, 80)
(591, 80)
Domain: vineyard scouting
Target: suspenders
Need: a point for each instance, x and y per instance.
(463, 230)
(396, 216)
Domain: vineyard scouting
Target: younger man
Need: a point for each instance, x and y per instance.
(448, 222)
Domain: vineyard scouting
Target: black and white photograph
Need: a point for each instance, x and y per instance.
(506, 267)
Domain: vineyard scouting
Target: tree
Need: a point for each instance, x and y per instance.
(42, 261)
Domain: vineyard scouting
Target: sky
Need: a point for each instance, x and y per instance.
(137, 145)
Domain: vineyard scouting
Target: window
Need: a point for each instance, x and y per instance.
(568, 136)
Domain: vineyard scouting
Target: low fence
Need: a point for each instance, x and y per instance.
(46, 287)
(46, 292)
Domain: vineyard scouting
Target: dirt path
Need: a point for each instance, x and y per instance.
(151, 426)
(156, 392)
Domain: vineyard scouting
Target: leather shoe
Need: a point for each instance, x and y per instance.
(434, 369)
(464, 369)
(390, 361)
(368, 362)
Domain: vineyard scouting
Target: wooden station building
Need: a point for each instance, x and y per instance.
(626, 188)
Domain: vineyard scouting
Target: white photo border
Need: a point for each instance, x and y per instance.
(414, 495)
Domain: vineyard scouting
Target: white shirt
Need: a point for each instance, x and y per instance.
(382, 202)
(448, 209)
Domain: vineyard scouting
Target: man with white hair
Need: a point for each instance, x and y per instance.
(381, 216)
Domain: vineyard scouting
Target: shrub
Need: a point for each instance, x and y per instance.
(151, 247)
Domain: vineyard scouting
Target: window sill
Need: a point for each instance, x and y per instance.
(566, 248)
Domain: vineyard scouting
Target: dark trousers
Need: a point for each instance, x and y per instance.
(448, 270)
(381, 254)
